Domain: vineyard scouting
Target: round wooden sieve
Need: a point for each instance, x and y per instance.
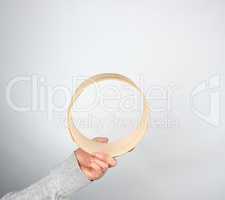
(120, 146)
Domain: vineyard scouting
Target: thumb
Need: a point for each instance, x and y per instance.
(101, 139)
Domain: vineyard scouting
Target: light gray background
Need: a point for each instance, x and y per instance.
(167, 43)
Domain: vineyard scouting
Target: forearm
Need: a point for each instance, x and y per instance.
(59, 184)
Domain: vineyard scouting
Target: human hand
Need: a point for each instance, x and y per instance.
(95, 166)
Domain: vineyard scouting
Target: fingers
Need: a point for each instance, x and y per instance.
(106, 158)
(83, 157)
(95, 166)
(91, 174)
(102, 157)
(104, 166)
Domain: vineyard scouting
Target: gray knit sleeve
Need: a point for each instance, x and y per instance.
(59, 184)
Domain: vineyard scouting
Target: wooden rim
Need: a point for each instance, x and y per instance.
(120, 146)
